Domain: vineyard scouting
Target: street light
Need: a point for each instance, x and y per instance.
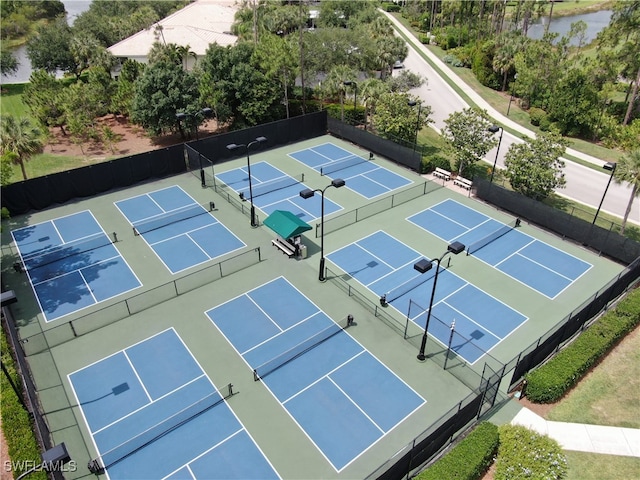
(494, 129)
(611, 166)
(413, 103)
(182, 116)
(355, 96)
(423, 266)
(233, 146)
(308, 193)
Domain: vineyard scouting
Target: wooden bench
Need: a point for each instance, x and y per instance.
(283, 246)
(441, 173)
(463, 182)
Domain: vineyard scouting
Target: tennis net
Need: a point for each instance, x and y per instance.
(407, 286)
(301, 348)
(493, 236)
(153, 433)
(60, 252)
(273, 185)
(175, 216)
(342, 164)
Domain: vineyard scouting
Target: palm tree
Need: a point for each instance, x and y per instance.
(20, 137)
(334, 83)
(371, 90)
(628, 170)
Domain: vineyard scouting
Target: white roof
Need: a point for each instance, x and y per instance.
(198, 25)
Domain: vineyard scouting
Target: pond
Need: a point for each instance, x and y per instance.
(73, 8)
(596, 21)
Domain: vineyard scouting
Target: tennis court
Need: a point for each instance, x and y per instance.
(181, 232)
(153, 413)
(335, 390)
(362, 174)
(385, 266)
(532, 262)
(72, 264)
(275, 190)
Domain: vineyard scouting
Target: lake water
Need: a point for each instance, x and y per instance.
(595, 21)
(73, 8)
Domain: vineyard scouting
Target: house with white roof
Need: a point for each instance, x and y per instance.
(197, 26)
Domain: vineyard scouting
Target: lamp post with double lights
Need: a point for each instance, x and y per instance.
(308, 193)
(247, 147)
(494, 129)
(611, 166)
(424, 266)
(182, 116)
(413, 103)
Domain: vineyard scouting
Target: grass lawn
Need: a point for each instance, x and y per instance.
(46, 164)
(12, 100)
(610, 394)
(589, 466)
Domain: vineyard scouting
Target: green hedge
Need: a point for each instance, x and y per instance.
(551, 381)
(524, 453)
(469, 459)
(16, 422)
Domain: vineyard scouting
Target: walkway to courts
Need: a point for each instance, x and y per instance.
(583, 437)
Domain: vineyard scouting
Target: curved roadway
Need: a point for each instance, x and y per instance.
(584, 185)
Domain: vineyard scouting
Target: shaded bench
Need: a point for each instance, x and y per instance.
(284, 246)
(463, 182)
(442, 173)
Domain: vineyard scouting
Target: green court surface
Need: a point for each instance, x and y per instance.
(73, 342)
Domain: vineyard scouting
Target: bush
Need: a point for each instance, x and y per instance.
(537, 115)
(429, 164)
(469, 459)
(551, 381)
(391, 7)
(524, 453)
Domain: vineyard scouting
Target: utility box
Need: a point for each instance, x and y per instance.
(303, 251)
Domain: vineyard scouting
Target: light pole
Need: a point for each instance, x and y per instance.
(355, 97)
(494, 129)
(181, 116)
(611, 166)
(424, 266)
(247, 147)
(413, 103)
(308, 193)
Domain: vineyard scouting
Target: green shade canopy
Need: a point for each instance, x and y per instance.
(286, 224)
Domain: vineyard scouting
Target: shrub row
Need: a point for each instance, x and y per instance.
(551, 381)
(469, 459)
(16, 422)
(524, 453)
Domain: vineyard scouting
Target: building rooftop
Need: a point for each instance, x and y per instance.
(197, 25)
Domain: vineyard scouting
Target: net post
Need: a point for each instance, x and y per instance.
(95, 467)
(349, 321)
(115, 237)
(135, 232)
(256, 378)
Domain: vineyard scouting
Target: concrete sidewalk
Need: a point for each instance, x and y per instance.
(475, 97)
(583, 437)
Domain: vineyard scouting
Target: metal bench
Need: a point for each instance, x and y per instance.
(463, 182)
(283, 246)
(441, 173)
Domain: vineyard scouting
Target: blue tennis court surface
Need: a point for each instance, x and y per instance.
(181, 232)
(153, 413)
(337, 392)
(532, 262)
(72, 264)
(275, 190)
(385, 265)
(361, 174)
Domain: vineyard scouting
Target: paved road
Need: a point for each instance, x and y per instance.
(584, 185)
